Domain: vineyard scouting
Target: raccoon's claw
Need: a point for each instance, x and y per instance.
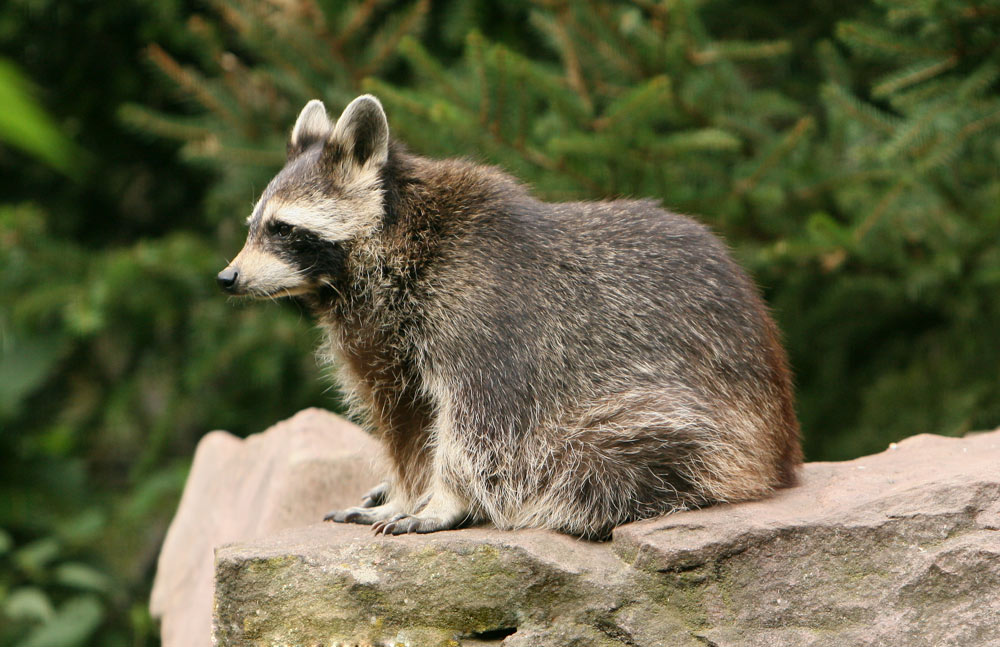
(373, 508)
(363, 515)
(405, 523)
(375, 496)
(351, 515)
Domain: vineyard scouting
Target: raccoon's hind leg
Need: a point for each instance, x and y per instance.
(640, 455)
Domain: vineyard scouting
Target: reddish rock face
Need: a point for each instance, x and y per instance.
(899, 548)
(239, 490)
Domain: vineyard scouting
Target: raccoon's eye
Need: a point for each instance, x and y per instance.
(280, 229)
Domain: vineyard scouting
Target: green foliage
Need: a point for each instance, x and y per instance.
(300, 50)
(113, 341)
(911, 214)
(856, 176)
(847, 151)
(116, 358)
(24, 124)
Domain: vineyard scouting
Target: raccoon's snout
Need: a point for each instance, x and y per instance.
(227, 279)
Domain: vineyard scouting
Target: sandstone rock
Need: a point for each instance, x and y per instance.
(900, 548)
(288, 476)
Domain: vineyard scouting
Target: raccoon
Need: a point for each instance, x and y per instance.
(572, 366)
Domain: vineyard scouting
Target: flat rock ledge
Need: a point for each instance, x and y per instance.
(899, 548)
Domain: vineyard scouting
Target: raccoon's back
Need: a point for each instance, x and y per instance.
(587, 297)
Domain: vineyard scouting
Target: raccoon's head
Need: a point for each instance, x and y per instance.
(328, 194)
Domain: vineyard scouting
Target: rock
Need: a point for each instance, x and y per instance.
(899, 548)
(288, 476)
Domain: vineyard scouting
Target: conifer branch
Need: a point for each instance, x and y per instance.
(475, 44)
(391, 94)
(980, 125)
(652, 94)
(425, 64)
(212, 147)
(908, 101)
(912, 75)
(658, 10)
(979, 81)
(888, 199)
(275, 33)
(784, 147)
(540, 159)
(835, 69)
(610, 36)
(410, 22)
(571, 61)
(146, 120)
(980, 11)
(234, 17)
(845, 179)
(913, 132)
(860, 111)
(864, 37)
(290, 33)
(190, 81)
(704, 140)
(358, 18)
(206, 35)
(499, 94)
(600, 45)
(731, 50)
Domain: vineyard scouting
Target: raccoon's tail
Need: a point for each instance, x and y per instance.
(643, 454)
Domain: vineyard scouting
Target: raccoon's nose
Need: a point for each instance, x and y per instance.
(227, 279)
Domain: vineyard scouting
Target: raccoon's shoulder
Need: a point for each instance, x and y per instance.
(447, 188)
(434, 207)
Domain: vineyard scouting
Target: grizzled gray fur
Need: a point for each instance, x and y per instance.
(572, 366)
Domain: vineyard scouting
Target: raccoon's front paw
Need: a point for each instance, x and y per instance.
(404, 523)
(362, 514)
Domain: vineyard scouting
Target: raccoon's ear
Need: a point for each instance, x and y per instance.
(363, 131)
(312, 126)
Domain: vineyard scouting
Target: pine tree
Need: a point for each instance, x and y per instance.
(632, 99)
(855, 177)
(260, 62)
(907, 238)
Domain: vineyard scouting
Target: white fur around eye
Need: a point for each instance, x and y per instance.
(334, 220)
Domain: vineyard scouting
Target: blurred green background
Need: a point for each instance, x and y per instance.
(848, 151)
